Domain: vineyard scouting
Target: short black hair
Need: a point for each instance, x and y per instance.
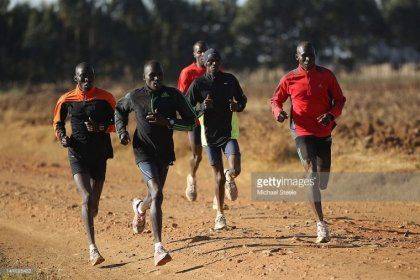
(305, 44)
(84, 65)
(200, 43)
(152, 63)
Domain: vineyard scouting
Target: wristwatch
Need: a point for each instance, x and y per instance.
(171, 122)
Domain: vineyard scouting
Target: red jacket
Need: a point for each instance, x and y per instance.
(188, 75)
(312, 93)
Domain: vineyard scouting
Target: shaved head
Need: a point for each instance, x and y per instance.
(198, 50)
(199, 44)
(84, 67)
(152, 64)
(84, 76)
(305, 55)
(304, 45)
(153, 74)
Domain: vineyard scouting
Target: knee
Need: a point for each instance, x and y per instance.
(157, 196)
(307, 164)
(235, 171)
(197, 156)
(86, 199)
(324, 178)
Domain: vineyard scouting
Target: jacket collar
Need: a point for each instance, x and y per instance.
(149, 90)
(212, 77)
(307, 72)
(89, 94)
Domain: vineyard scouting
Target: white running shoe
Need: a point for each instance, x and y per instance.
(191, 190)
(161, 256)
(323, 234)
(95, 256)
(139, 220)
(220, 222)
(231, 191)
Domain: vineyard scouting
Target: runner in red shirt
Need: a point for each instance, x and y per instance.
(187, 76)
(317, 100)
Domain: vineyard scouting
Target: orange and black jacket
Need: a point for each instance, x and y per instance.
(97, 106)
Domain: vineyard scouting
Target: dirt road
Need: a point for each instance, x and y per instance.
(40, 225)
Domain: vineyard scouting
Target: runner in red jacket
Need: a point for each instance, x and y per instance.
(317, 100)
(187, 76)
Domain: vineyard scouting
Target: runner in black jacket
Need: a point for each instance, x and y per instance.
(218, 95)
(156, 107)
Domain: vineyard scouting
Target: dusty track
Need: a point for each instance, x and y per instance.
(40, 224)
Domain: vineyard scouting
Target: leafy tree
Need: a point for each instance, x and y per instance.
(402, 18)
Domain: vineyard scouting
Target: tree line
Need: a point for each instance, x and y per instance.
(42, 44)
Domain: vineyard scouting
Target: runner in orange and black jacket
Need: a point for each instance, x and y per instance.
(91, 112)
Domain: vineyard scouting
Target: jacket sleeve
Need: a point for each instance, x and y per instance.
(111, 119)
(187, 113)
(194, 98)
(183, 82)
(122, 110)
(60, 115)
(239, 95)
(338, 99)
(279, 97)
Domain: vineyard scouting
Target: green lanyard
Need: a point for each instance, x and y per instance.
(152, 100)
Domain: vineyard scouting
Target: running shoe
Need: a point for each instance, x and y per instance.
(161, 256)
(139, 220)
(231, 190)
(323, 234)
(220, 222)
(191, 190)
(95, 256)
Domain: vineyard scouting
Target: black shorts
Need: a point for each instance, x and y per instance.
(315, 154)
(96, 168)
(154, 170)
(195, 135)
(229, 148)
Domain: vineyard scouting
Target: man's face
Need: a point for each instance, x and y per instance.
(198, 52)
(84, 77)
(305, 55)
(212, 65)
(153, 76)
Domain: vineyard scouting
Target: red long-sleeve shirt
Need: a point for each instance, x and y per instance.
(188, 75)
(312, 93)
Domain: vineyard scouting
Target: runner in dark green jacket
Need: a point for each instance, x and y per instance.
(156, 107)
